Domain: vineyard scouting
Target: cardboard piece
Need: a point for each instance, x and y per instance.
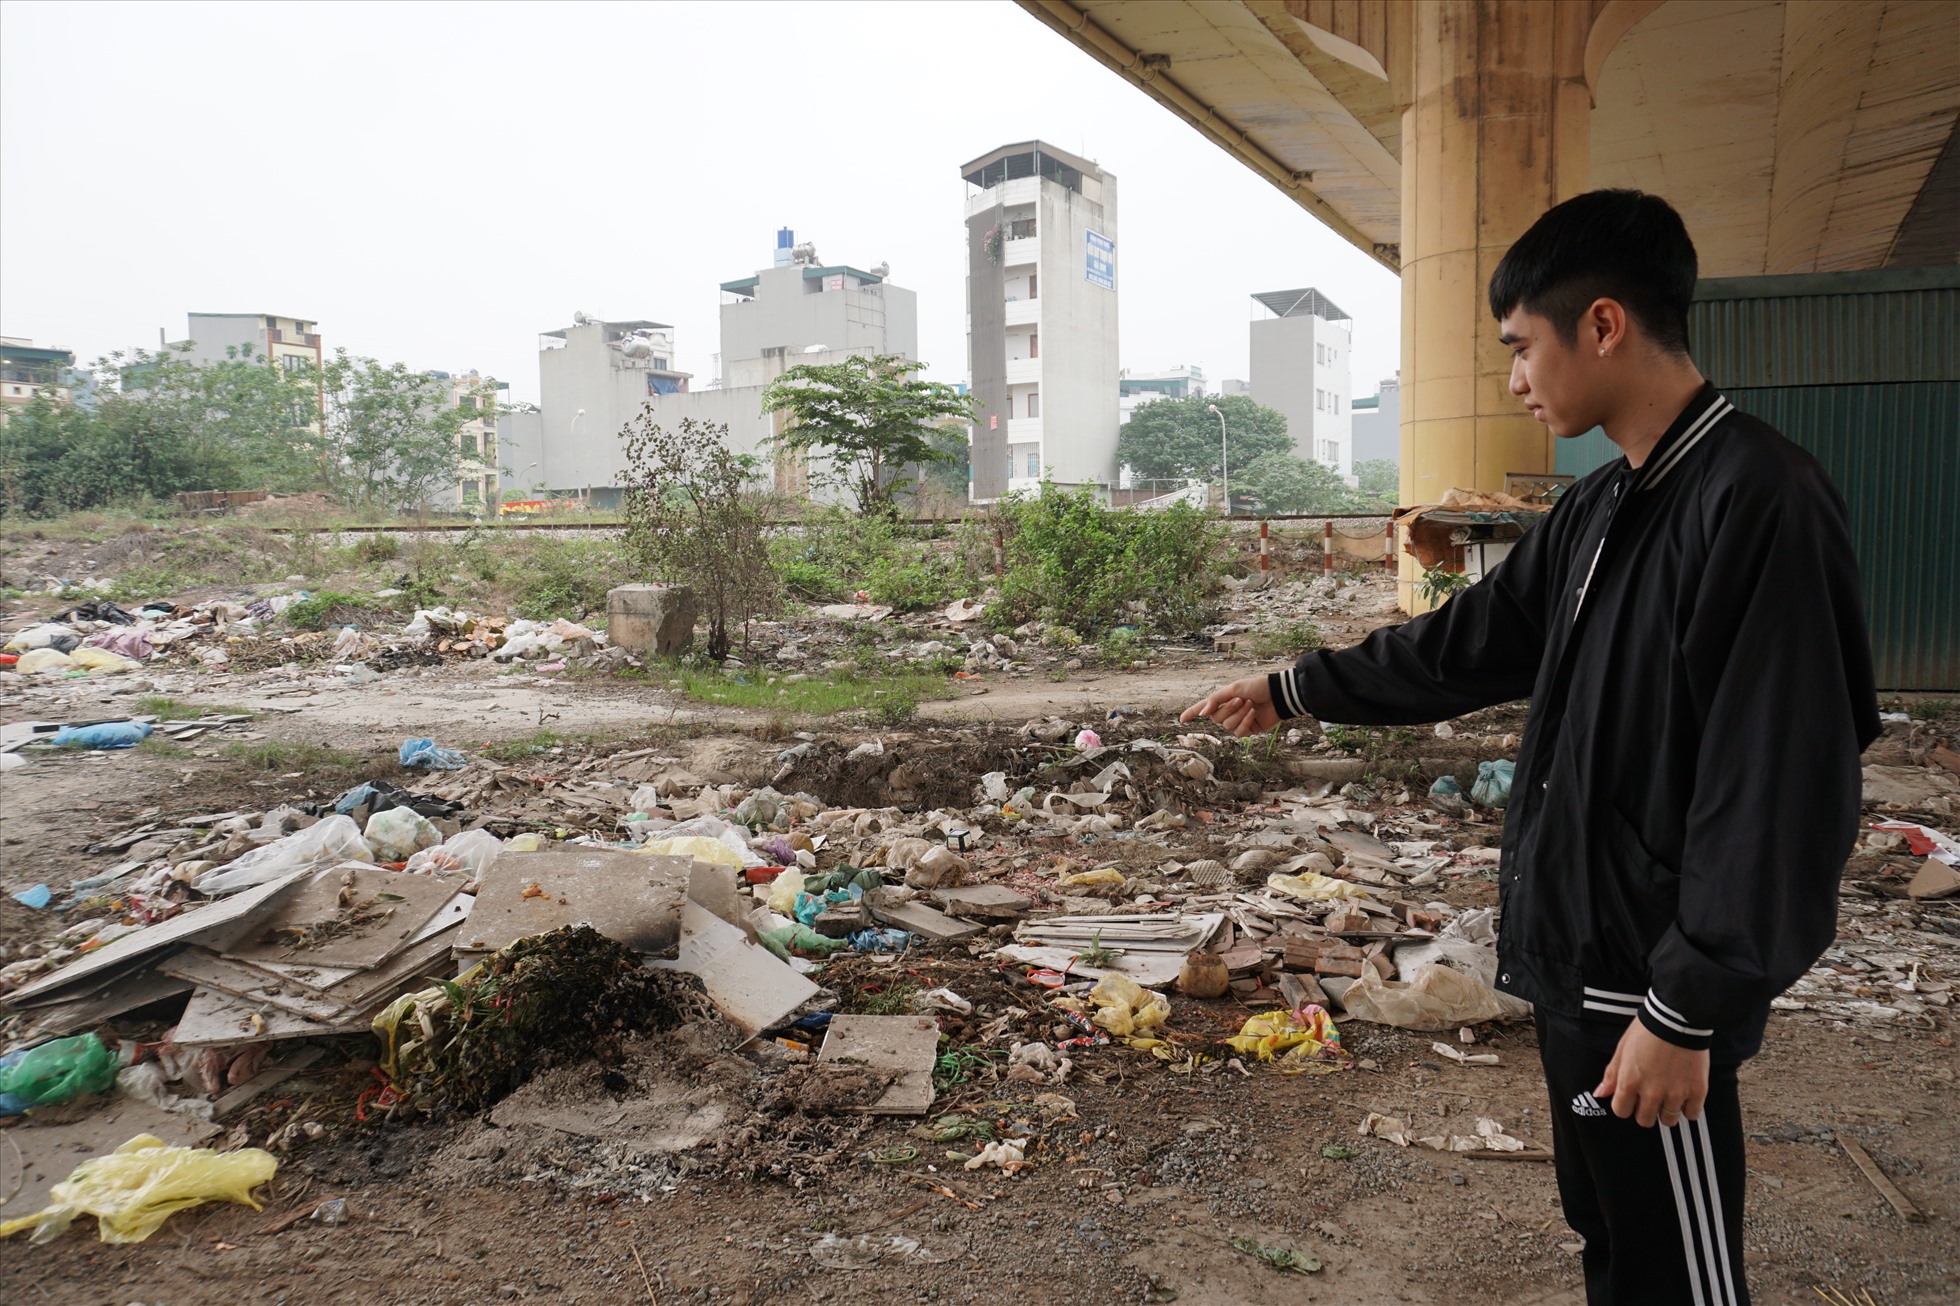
(216, 1019)
(50, 1152)
(394, 906)
(256, 987)
(55, 1020)
(631, 897)
(1934, 880)
(904, 1045)
(745, 981)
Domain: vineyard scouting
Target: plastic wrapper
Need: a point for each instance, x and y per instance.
(49, 634)
(1493, 787)
(399, 833)
(1436, 998)
(334, 839)
(1129, 1011)
(1306, 1039)
(783, 891)
(424, 753)
(129, 642)
(141, 1184)
(109, 734)
(102, 662)
(1311, 887)
(55, 1072)
(39, 660)
(471, 851)
(802, 940)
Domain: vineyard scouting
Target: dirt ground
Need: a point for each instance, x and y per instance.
(685, 1172)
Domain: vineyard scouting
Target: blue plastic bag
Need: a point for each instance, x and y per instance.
(1493, 787)
(110, 734)
(1446, 796)
(423, 752)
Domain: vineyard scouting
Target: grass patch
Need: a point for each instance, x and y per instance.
(1287, 641)
(332, 608)
(170, 709)
(158, 746)
(895, 999)
(1386, 750)
(516, 750)
(286, 755)
(892, 699)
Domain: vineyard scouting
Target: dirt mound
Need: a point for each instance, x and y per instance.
(919, 773)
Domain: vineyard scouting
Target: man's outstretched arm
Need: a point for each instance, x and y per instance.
(1481, 648)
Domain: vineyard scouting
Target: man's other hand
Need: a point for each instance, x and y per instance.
(1650, 1079)
(1244, 707)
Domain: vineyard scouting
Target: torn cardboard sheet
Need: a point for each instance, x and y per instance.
(905, 1046)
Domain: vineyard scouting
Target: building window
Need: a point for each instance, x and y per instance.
(1320, 401)
(1034, 464)
(1337, 404)
(1320, 355)
(1034, 345)
(660, 364)
(1034, 403)
(1031, 294)
(292, 362)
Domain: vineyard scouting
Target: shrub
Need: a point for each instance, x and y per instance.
(836, 554)
(1070, 559)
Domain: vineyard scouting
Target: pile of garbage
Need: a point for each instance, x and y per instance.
(483, 921)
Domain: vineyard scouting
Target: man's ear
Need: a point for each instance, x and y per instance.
(1604, 327)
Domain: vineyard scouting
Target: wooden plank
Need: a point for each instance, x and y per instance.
(431, 958)
(904, 1045)
(1886, 1188)
(216, 923)
(333, 898)
(255, 986)
(214, 1018)
(918, 918)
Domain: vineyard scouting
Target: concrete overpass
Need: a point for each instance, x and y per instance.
(1795, 136)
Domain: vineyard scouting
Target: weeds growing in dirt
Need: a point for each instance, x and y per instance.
(516, 750)
(1069, 558)
(170, 709)
(842, 692)
(1287, 641)
(284, 755)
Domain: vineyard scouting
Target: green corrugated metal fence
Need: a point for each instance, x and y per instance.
(1861, 369)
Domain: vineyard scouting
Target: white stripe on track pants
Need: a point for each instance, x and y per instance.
(1660, 1208)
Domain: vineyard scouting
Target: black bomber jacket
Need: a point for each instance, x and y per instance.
(1692, 640)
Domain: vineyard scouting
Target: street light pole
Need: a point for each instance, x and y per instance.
(1224, 461)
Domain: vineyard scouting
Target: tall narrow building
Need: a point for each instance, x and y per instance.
(1300, 345)
(1041, 319)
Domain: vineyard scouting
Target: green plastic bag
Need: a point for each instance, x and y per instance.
(55, 1072)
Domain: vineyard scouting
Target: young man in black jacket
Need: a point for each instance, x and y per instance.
(1687, 625)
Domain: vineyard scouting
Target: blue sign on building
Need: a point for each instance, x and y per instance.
(1100, 267)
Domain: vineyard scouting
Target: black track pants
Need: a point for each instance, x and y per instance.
(1660, 1208)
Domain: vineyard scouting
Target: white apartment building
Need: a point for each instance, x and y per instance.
(1041, 319)
(289, 342)
(1301, 342)
(477, 480)
(596, 377)
(1134, 388)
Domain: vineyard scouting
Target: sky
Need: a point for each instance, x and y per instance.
(437, 184)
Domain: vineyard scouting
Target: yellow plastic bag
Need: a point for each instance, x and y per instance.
(43, 659)
(1104, 877)
(528, 842)
(138, 1186)
(783, 890)
(102, 662)
(1128, 1010)
(1300, 1040)
(1314, 887)
(699, 848)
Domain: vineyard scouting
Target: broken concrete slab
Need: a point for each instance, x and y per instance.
(982, 902)
(917, 918)
(651, 621)
(903, 1046)
(745, 981)
(49, 1150)
(633, 898)
(1907, 786)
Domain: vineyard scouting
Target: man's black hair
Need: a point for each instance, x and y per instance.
(1606, 244)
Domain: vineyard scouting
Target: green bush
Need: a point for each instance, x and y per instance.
(1070, 559)
(836, 554)
(558, 577)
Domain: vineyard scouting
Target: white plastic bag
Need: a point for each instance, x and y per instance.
(399, 833)
(334, 839)
(1436, 997)
(471, 851)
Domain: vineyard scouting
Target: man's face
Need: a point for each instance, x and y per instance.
(1559, 383)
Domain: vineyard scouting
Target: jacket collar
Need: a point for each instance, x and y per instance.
(1700, 417)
